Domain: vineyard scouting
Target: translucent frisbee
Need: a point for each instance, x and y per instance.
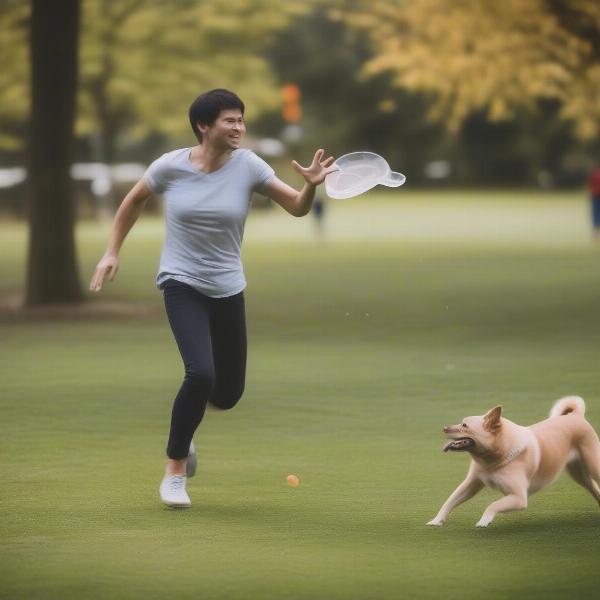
(358, 173)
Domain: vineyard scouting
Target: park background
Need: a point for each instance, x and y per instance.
(475, 284)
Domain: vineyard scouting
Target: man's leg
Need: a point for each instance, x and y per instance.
(189, 319)
(229, 345)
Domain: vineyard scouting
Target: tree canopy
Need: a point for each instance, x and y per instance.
(143, 61)
(14, 72)
(473, 55)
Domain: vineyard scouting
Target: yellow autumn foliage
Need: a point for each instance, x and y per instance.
(497, 56)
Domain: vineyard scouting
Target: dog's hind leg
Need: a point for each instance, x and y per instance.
(589, 465)
(579, 473)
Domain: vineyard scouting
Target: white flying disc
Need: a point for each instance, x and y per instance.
(358, 173)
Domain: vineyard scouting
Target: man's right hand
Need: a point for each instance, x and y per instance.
(107, 267)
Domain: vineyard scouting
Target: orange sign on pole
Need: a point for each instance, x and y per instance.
(291, 110)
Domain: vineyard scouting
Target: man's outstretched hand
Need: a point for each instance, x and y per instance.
(315, 173)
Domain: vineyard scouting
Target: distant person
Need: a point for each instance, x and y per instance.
(594, 189)
(318, 212)
(207, 190)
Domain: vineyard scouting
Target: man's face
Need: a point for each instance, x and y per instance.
(226, 131)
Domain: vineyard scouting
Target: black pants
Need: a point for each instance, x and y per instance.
(211, 335)
(596, 212)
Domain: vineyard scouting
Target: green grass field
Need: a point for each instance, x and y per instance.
(417, 309)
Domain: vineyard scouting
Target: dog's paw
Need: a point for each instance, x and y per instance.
(483, 522)
(436, 523)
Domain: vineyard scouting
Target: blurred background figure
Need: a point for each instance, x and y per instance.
(318, 213)
(594, 189)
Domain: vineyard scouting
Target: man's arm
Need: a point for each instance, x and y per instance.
(299, 203)
(126, 216)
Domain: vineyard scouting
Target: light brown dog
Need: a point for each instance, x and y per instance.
(519, 461)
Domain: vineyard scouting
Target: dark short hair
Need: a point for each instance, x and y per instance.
(206, 108)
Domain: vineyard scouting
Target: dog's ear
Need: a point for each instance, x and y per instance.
(491, 419)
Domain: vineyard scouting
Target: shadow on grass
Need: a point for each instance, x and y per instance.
(555, 525)
(13, 309)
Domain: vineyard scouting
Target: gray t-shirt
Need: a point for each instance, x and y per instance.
(205, 215)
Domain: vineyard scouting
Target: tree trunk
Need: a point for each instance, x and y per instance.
(52, 272)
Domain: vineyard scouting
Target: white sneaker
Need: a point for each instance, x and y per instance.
(172, 491)
(190, 466)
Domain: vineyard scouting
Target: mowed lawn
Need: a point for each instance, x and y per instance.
(415, 310)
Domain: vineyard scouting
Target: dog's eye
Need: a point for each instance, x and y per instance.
(464, 425)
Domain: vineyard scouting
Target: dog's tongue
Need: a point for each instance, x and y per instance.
(448, 446)
(460, 444)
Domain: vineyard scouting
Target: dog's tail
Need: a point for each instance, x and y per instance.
(567, 405)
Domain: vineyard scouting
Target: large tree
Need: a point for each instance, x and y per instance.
(141, 62)
(52, 275)
(478, 55)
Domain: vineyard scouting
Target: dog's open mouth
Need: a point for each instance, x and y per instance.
(459, 444)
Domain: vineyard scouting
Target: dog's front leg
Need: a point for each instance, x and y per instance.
(514, 501)
(466, 490)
